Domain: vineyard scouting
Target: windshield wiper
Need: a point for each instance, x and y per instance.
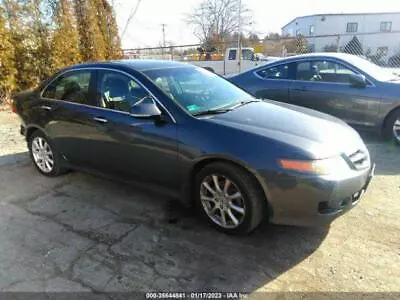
(212, 112)
(225, 109)
(241, 103)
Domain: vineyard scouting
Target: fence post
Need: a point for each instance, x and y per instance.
(338, 43)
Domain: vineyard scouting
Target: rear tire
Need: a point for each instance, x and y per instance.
(392, 127)
(241, 201)
(44, 156)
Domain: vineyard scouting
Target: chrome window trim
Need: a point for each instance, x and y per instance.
(339, 62)
(105, 69)
(344, 63)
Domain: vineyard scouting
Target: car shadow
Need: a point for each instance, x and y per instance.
(14, 158)
(244, 263)
(141, 240)
(385, 154)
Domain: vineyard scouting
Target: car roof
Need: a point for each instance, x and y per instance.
(343, 56)
(135, 64)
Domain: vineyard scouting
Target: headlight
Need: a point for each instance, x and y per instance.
(327, 166)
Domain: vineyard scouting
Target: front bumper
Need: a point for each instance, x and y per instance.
(313, 201)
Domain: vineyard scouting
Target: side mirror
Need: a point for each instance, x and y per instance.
(358, 80)
(145, 108)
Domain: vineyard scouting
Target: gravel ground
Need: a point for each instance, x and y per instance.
(79, 232)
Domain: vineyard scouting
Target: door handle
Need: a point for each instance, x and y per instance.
(100, 120)
(45, 107)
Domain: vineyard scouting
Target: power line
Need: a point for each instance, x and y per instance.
(131, 15)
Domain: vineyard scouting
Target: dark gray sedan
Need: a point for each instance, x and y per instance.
(194, 136)
(349, 87)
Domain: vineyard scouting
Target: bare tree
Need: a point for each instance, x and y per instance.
(215, 21)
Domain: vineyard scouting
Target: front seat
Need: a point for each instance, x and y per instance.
(316, 76)
(74, 93)
(115, 93)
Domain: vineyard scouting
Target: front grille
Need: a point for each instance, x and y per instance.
(359, 160)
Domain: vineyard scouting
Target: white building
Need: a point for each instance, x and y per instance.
(379, 33)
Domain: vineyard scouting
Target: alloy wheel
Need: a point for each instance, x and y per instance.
(396, 130)
(222, 201)
(42, 154)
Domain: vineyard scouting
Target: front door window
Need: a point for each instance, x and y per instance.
(119, 92)
(323, 71)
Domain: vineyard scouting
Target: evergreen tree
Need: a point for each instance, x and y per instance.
(92, 45)
(39, 36)
(7, 67)
(39, 12)
(65, 42)
(109, 29)
(23, 41)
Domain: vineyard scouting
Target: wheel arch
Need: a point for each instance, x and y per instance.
(31, 129)
(200, 164)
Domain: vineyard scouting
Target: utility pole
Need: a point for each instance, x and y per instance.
(239, 47)
(163, 34)
(163, 39)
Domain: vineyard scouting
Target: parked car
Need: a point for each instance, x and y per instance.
(198, 138)
(346, 86)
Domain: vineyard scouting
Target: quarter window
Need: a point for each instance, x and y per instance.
(72, 86)
(323, 71)
(275, 72)
(119, 92)
(352, 27)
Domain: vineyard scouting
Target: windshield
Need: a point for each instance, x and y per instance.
(377, 72)
(197, 90)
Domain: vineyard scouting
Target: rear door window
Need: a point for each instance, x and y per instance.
(72, 87)
(275, 72)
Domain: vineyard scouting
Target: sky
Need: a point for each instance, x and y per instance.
(145, 29)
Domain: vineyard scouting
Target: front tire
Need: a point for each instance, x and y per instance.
(392, 127)
(45, 158)
(229, 198)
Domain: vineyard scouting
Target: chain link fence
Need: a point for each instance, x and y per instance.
(381, 48)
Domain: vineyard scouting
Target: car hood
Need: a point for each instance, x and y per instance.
(319, 134)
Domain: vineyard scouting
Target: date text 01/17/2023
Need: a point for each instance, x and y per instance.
(195, 295)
